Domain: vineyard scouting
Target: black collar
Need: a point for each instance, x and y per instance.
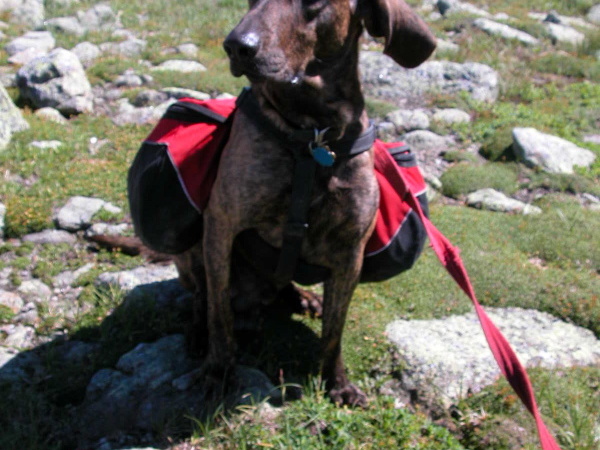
(306, 138)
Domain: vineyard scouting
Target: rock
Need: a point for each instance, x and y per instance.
(129, 279)
(34, 290)
(451, 357)
(139, 393)
(130, 79)
(128, 113)
(592, 138)
(177, 92)
(87, 53)
(28, 314)
(8, 78)
(51, 114)
(12, 301)
(66, 279)
(56, 80)
(2, 216)
(100, 17)
(20, 337)
(107, 229)
(565, 34)
(451, 115)
(149, 97)
(428, 147)
(44, 145)
(10, 115)
(41, 41)
(493, 200)
(25, 12)
(19, 367)
(5, 135)
(66, 25)
(51, 237)
(179, 65)
(550, 153)
(593, 14)
(406, 120)
(446, 47)
(130, 48)
(504, 31)
(78, 212)
(189, 49)
(384, 79)
(449, 7)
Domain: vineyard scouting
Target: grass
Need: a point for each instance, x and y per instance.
(544, 262)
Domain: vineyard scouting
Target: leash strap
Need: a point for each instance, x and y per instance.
(449, 256)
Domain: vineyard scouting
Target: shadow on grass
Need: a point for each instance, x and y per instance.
(72, 391)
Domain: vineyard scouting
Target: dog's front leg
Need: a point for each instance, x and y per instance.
(337, 296)
(217, 242)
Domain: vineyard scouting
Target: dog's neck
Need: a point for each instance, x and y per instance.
(332, 98)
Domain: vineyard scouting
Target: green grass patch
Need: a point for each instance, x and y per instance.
(464, 178)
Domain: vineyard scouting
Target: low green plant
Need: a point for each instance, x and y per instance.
(463, 178)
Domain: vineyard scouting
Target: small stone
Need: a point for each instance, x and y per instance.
(51, 237)
(45, 145)
(409, 120)
(11, 300)
(51, 114)
(178, 65)
(451, 116)
(493, 200)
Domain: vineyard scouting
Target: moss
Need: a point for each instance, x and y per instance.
(464, 178)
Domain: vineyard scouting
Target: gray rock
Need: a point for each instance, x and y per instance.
(51, 237)
(66, 25)
(450, 357)
(129, 279)
(57, 80)
(108, 229)
(51, 114)
(149, 97)
(19, 367)
(20, 337)
(12, 301)
(565, 34)
(550, 153)
(2, 216)
(28, 314)
(44, 145)
(504, 31)
(8, 78)
(385, 80)
(131, 79)
(87, 53)
(25, 12)
(139, 393)
(428, 148)
(5, 135)
(34, 290)
(67, 279)
(42, 41)
(444, 46)
(128, 113)
(78, 212)
(409, 119)
(179, 65)
(450, 7)
(493, 200)
(451, 115)
(188, 49)
(10, 115)
(100, 17)
(177, 92)
(593, 14)
(592, 138)
(130, 48)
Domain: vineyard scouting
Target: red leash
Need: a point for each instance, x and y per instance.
(448, 255)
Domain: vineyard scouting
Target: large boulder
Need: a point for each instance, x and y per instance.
(549, 153)
(384, 79)
(11, 119)
(26, 12)
(57, 80)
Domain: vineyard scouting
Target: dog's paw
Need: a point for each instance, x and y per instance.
(301, 301)
(349, 395)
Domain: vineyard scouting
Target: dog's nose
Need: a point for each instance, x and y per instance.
(242, 46)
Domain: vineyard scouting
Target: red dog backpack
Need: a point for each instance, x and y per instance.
(170, 180)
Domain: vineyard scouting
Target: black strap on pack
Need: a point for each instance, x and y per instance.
(305, 168)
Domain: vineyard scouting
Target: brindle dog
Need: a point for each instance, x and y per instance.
(301, 57)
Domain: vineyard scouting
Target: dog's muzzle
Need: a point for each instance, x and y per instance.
(241, 48)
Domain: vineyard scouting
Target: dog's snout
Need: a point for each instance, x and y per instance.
(242, 46)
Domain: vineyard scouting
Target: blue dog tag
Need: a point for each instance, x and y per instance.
(323, 155)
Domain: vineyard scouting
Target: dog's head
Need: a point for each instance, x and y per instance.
(291, 41)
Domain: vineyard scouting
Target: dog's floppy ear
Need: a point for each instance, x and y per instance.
(408, 40)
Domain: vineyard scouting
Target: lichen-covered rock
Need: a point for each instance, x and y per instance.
(57, 80)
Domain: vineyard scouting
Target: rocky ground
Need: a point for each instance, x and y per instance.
(146, 384)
